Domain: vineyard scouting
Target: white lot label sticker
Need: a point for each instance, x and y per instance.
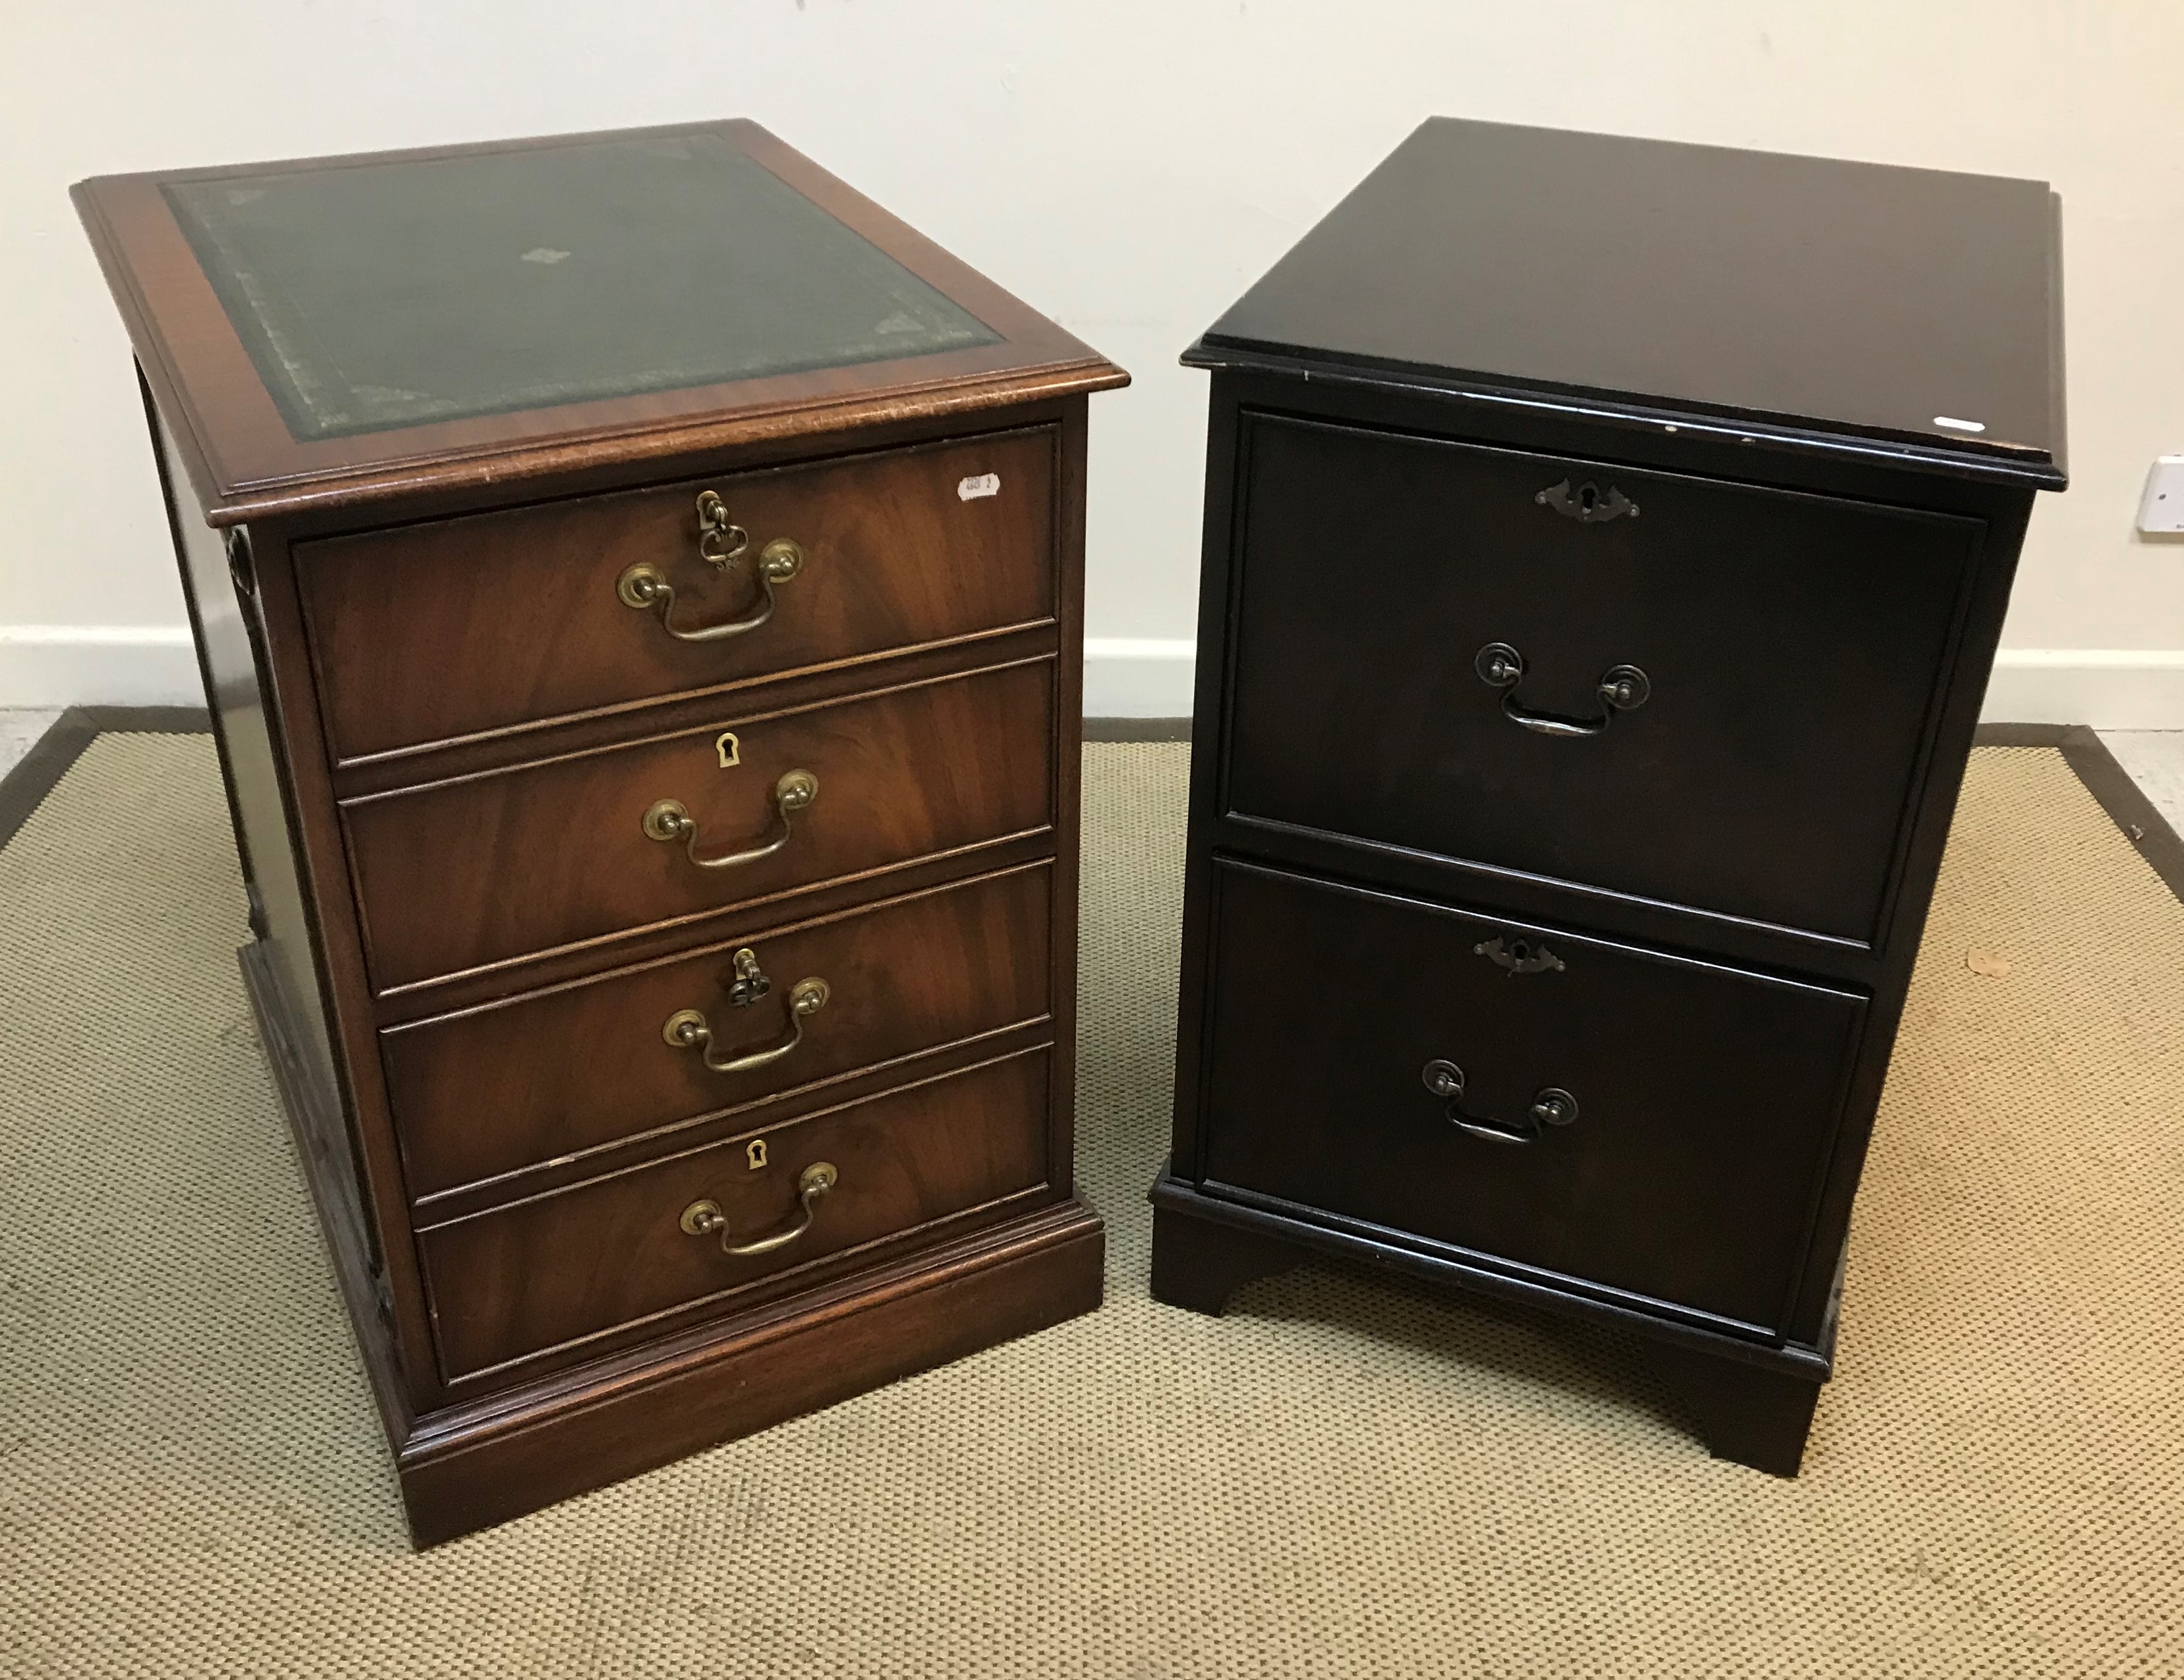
(985, 484)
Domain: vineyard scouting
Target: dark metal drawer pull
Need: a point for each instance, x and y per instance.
(1588, 504)
(1552, 1106)
(688, 1029)
(1622, 688)
(704, 1218)
(720, 544)
(668, 820)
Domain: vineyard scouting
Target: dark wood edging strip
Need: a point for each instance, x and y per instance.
(2110, 782)
(40, 770)
(25, 786)
(1137, 728)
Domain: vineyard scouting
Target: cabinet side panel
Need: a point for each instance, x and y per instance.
(1067, 560)
(1950, 746)
(227, 655)
(1209, 723)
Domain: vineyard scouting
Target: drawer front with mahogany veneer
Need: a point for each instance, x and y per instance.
(1714, 695)
(552, 1074)
(436, 632)
(710, 1224)
(1592, 1110)
(460, 875)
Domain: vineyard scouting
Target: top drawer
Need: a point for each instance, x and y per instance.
(1429, 633)
(435, 631)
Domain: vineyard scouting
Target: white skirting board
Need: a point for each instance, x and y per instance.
(55, 664)
(2108, 688)
(1144, 677)
(1124, 677)
(51, 665)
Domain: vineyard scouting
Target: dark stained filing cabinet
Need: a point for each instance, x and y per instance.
(1607, 542)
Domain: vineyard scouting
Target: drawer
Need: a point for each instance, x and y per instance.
(463, 874)
(1791, 648)
(555, 1073)
(615, 1251)
(1678, 1163)
(439, 631)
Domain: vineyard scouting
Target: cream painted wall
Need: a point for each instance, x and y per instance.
(1128, 166)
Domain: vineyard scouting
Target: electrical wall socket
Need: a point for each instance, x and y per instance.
(2161, 510)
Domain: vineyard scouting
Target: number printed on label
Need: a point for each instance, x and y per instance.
(983, 484)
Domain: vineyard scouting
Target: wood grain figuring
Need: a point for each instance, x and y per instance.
(551, 1074)
(601, 1254)
(520, 606)
(459, 875)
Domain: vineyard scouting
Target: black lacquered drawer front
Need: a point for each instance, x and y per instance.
(1649, 1123)
(1708, 694)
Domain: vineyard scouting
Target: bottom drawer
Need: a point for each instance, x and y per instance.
(597, 1256)
(1653, 1123)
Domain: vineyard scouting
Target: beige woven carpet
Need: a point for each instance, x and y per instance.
(1335, 1480)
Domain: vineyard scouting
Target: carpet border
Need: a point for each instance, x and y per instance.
(1137, 728)
(2111, 786)
(24, 788)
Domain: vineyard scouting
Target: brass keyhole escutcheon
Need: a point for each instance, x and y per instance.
(754, 1153)
(730, 750)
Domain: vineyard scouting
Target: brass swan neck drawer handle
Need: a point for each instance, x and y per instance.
(668, 820)
(688, 1029)
(721, 544)
(704, 1218)
(1552, 1106)
(1621, 688)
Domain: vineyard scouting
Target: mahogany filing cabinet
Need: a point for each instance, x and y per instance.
(1607, 543)
(638, 584)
